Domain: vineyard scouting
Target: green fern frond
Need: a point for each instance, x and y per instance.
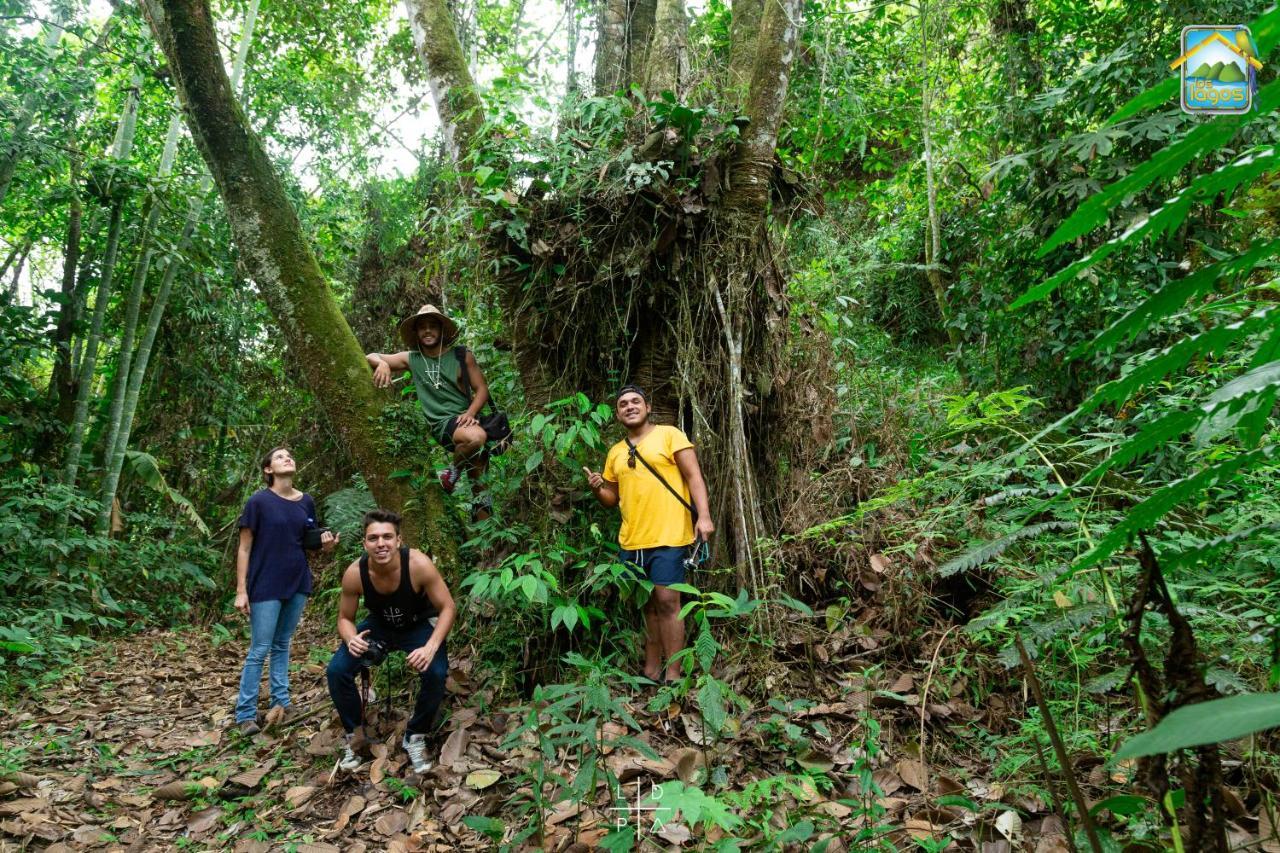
(1164, 500)
(147, 469)
(1213, 341)
(1173, 295)
(1166, 163)
(988, 552)
(1155, 434)
(1213, 547)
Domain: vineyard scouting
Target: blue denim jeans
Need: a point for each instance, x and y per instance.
(271, 627)
(344, 666)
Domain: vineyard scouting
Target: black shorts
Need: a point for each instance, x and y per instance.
(660, 566)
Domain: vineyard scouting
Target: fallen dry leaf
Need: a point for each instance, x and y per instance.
(691, 765)
(353, 807)
(392, 822)
(178, 790)
(454, 747)
(481, 779)
(913, 772)
(202, 822)
(298, 795)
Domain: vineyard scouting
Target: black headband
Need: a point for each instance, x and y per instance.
(625, 389)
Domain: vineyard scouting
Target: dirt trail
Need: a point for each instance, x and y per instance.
(135, 753)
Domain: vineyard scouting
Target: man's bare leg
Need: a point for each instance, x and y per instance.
(670, 628)
(652, 642)
(469, 456)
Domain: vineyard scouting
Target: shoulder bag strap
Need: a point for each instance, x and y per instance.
(661, 479)
(464, 378)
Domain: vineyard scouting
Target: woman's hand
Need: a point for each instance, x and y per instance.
(329, 540)
(242, 602)
(466, 420)
(382, 375)
(705, 528)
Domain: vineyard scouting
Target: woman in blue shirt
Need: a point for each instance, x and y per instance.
(273, 580)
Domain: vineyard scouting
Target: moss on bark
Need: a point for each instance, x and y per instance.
(275, 252)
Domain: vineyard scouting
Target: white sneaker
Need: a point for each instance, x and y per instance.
(416, 746)
(349, 760)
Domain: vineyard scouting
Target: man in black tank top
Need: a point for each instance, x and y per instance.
(410, 610)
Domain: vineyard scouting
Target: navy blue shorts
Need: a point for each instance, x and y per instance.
(662, 566)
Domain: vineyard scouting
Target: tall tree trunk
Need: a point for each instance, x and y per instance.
(16, 278)
(60, 382)
(121, 149)
(275, 252)
(743, 40)
(124, 359)
(625, 31)
(667, 65)
(9, 163)
(118, 443)
(452, 88)
(747, 278)
(934, 268)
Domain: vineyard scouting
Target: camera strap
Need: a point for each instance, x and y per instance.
(635, 454)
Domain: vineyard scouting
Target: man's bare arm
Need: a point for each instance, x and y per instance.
(347, 606)
(427, 580)
(384, 364)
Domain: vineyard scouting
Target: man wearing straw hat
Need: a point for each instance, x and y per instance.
(452, 391)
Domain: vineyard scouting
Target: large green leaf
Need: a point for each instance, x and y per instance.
(1214, 721)
(1233, 397)
(1158, 95)
(1174, 294)
(1163, 501)
(147, 469)
(1168, 216)
(1166, 163)
(1214, 341)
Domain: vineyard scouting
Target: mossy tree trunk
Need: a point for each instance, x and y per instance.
(275, 252)
(666, 65)
(452, 88)
(624, 31)
(744, 37)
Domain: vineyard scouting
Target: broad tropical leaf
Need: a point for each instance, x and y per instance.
(1161, 502)
(1164, 164)
(1168, 216)
(1213, 341)
(147, 470)
(1173, 295)
(1214, 721)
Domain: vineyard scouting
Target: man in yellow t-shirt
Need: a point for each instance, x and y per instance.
(657, 526)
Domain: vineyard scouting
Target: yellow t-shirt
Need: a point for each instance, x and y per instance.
(651, 516)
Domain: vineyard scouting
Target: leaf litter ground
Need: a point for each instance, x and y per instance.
(136, 752)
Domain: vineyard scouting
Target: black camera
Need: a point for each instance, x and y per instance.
(376, 653)
(311, 538)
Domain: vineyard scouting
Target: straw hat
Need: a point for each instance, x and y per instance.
(408, 327)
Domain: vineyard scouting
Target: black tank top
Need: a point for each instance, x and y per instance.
(400, 609)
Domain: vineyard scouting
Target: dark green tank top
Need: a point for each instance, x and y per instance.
(436, 381)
